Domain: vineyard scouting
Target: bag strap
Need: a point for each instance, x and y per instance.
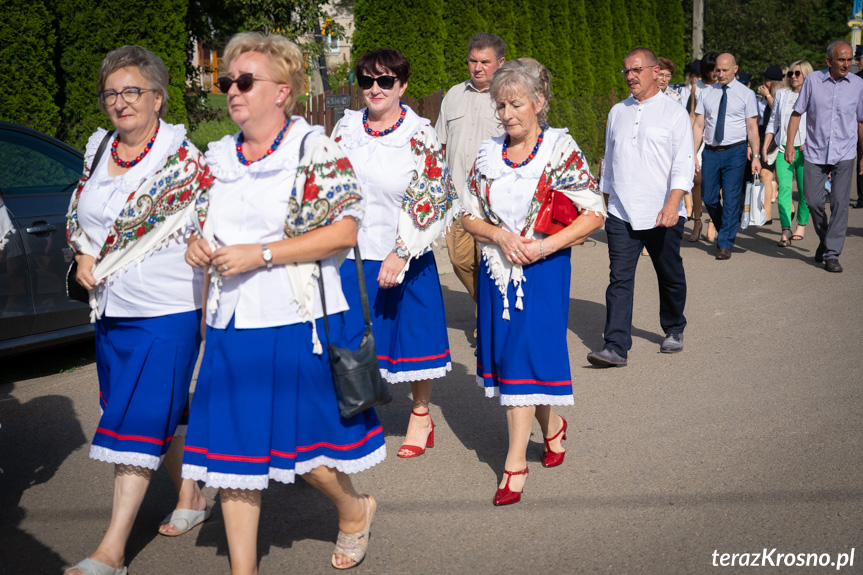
(364, 297)
(101, 150)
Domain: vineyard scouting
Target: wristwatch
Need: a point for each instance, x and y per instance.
(267, 255)
(402, 252)
(756, 156)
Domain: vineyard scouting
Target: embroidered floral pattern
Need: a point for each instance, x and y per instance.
(329, 187)
(430, 194)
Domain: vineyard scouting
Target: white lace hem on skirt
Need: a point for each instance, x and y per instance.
(125, 457)
(528, 399)
(235, 481)
(416, 375)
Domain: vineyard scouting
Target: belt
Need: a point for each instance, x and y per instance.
(720, 148)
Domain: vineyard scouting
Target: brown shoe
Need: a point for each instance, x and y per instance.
(723, 254)
(696, 231)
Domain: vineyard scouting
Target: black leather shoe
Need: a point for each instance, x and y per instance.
(606, 358)
(724, 254)
(833, 266)
(672, 343)
(819, 253)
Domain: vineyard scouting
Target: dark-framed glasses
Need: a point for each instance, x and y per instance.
(792, 73)
(129, 95)
(384, 82)
(636, 71)
(244, 82)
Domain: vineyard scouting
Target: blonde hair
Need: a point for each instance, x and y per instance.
(285, 58)
(531, 75)
(805, 67)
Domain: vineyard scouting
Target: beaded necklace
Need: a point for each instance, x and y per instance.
(130, 163)
(390, 130)
(530, 156)
(272, 149)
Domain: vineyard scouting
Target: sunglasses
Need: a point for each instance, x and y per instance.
(384, 82)
(244, 82)
(793, 73)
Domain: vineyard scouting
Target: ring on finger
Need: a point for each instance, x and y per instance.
(225, 268)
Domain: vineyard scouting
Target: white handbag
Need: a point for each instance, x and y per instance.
(754, 213)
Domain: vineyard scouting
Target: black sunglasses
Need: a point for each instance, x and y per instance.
(385, 82)
(794, 73)
(244, 82)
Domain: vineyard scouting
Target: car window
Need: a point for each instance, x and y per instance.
(30, 165)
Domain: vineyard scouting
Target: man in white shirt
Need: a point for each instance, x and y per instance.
(649, 166)
(467, 117)
(726, 118)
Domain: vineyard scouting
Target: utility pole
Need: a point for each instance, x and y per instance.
(697, 29)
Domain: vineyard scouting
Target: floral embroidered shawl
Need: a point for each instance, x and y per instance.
(325, 189)
(426, 210)
(156, 210)
(565, 171)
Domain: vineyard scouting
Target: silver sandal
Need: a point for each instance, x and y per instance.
(354, 546)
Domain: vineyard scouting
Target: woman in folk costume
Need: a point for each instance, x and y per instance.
(285, 197)
(407, 196)
(523, 289)
(127, 227)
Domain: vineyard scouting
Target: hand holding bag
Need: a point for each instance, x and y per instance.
(753, 205)
(74, 290)
(356, 374)
(556, 213)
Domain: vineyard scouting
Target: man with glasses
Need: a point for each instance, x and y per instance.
(467, 117)
(832, 100)
(649, 167)
(726, 118)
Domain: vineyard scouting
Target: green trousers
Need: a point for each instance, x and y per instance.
(785, 174)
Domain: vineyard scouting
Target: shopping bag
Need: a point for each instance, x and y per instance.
(754, 213)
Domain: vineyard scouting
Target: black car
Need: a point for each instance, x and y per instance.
(37, 177)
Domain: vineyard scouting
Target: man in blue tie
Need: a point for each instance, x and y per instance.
(726, 118)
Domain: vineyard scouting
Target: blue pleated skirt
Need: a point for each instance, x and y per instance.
(265, 408)
(408, 320)
(145, 366)
(525, 360)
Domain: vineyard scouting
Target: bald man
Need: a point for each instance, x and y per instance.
(726, 118)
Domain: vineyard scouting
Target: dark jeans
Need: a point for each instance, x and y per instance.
(624, 250)
(723, 170)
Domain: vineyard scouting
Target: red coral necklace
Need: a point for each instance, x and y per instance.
(130, 163)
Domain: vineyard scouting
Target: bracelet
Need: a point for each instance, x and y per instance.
(541, 252)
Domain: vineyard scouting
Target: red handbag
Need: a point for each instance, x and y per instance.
(555, 213)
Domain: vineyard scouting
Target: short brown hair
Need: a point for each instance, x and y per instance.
(665, 64)
(484, 40)
(384, 59)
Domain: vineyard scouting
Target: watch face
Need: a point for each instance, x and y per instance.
(267, 255)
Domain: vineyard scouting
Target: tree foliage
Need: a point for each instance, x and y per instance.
(669, 14)
(461, 21)
(27, 43)
(413, 27)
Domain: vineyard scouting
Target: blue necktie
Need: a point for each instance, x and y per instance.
(719, 132)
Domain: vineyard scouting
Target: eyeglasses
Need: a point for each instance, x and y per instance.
(385, 82)
(637, 71)
(793, 73)
(244, 82)
(129, 95)
(665, 75)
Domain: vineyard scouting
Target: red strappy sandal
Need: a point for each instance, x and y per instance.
(415, 450)
(552, 458)
(504, 495)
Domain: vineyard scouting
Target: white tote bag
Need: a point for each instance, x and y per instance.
(754, 213)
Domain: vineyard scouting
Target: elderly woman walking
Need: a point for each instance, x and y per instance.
(284, 201)
(407, 194)
(126, 226)
(523, 291)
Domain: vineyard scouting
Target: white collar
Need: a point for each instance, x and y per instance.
(355, 136)
(489, 159)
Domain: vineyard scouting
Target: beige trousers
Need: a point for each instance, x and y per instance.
(464, 256)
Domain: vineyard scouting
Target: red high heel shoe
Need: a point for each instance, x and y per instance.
(552, 458)
(415, 450)
(504, 496)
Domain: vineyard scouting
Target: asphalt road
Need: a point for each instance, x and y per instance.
(748, 440)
